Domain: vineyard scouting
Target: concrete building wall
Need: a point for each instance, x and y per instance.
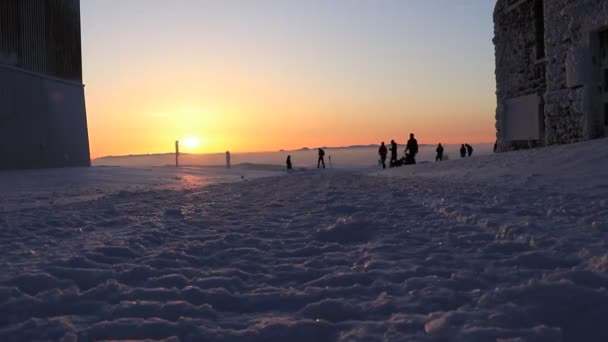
(549, 62)
(42, 121)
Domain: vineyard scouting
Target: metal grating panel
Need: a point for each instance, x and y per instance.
(42, 36)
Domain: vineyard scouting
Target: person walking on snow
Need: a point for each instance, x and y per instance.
(439, 153)
(321, 158)
(383, 151)
(463, 151)
(393, 153)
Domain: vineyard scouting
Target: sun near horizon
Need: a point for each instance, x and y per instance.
(268, 75)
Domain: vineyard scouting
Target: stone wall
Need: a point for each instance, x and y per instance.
(519, 72)
(572, 80)
(567, 78)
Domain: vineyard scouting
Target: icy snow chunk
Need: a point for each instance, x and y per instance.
(173, 212)
(84, 278)
(116, 251)
(353, 229)
(599, 225)
(450, 323)
(284, 329)
(36, 329)
(333, 310)
(132, 329)
(33, 283)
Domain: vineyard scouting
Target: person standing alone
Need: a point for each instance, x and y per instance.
(321, 158)
(412, 147)
(439, 153)
(382, 151)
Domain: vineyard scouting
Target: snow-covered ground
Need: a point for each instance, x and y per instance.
(509, 247)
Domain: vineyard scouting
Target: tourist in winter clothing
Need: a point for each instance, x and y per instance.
(321, 158)
(439, 153)
(412, 145)
(288, 162)
(412, 148)
(469, 149)
(463, 151)
(393, 153)
(383, 151)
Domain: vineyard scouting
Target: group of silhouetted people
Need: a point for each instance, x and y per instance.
(411, 150)
(465, 150)
(320, 161)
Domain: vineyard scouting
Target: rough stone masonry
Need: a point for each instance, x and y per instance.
(551, 71)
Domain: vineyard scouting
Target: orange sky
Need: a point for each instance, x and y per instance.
(246, 83)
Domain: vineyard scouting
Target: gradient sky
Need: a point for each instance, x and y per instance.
(263, 75)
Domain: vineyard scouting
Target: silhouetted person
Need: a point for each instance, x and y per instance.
(383, 152)
(409, 159)
(228, 159)
(412, 147)
(288, 162)
(463, 151)
(469, 149)
(393, 153)
(439, 153)
(495, 146)
(321, 158)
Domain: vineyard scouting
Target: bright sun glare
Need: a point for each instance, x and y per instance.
(190, 142)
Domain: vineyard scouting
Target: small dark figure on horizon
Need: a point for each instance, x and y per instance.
(463, 151)
(393, 153)
(495, 146)
(288, 162)
(383, 151)
(439, 153)
(412, 147)
(321, 158)
(469, 149)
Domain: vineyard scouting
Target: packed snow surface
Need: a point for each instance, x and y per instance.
(509, 247)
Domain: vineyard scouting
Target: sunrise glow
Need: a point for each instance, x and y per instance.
(272, 75)
(190, 143)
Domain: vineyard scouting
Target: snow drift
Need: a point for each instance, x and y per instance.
(510, 246)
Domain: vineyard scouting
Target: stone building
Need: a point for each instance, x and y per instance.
(42, 107)
(551, 71)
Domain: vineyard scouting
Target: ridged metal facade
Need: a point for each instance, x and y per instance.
(42, 102)
(42, 36)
